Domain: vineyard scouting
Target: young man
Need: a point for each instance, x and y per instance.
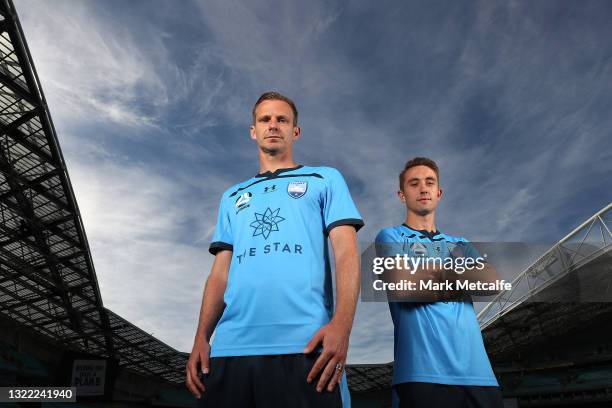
(278, 342)
(440, 359)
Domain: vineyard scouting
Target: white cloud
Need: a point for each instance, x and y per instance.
(372, 336)
(148, 271)
(266, 40)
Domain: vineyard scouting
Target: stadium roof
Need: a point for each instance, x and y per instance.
(564, 289)
(47, 277)
(583, 245)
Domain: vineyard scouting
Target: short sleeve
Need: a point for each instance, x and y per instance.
(338, 206)
(385, 244)
(468, 249)
(222, 239)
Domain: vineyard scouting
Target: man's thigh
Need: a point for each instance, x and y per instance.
(226, 384)
(265, 381)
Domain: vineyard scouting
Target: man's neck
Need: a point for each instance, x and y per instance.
(272, 163)
(425, 222)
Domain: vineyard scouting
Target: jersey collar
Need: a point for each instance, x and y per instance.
(428, 234)
(277, 171)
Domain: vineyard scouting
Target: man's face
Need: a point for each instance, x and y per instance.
(420, 192)
(273, 130)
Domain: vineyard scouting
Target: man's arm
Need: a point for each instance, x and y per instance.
(210, 312)
(417, 294)
(488, 274)
(466, 251)
(387, 247)
(335, 334)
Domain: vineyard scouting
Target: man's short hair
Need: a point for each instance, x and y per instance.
(275, 96)
(419, 161)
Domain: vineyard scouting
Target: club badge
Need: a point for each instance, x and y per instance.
(418, 249)
(297, 189)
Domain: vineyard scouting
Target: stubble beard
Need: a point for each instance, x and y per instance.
(423, 211)
(272, 151)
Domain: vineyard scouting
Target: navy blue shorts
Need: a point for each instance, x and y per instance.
(276, 381)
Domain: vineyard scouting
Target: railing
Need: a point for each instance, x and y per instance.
(585, 243)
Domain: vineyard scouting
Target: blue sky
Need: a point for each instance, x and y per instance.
(152, 100)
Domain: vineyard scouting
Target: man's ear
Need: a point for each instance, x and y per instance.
(297, 131)
(401, 196)
(252, 132)
(439, 193)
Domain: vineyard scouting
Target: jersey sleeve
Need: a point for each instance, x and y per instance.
(222, 239)
(385, 244)
(468, 250)
(338, 206)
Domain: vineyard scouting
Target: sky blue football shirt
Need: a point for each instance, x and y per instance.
(435, 342)
(279, 289)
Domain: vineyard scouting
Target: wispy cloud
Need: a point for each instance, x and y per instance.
(150, 263)
(92, 69)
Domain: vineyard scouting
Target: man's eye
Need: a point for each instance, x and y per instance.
(283, 120)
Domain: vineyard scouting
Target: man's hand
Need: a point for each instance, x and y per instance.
(198, 357)
(335, 335)
(335, 339)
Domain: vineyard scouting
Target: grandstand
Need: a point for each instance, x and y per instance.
(550, 337)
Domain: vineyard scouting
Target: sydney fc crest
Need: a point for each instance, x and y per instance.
(297, 189)
(418, 249)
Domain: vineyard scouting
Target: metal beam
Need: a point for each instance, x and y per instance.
(16, 89)
(23, 183)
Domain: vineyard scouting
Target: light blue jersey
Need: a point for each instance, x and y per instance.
(436, 342)
(279, 288)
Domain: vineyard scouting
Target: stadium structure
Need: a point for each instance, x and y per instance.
(55, 329)
(549, 338)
